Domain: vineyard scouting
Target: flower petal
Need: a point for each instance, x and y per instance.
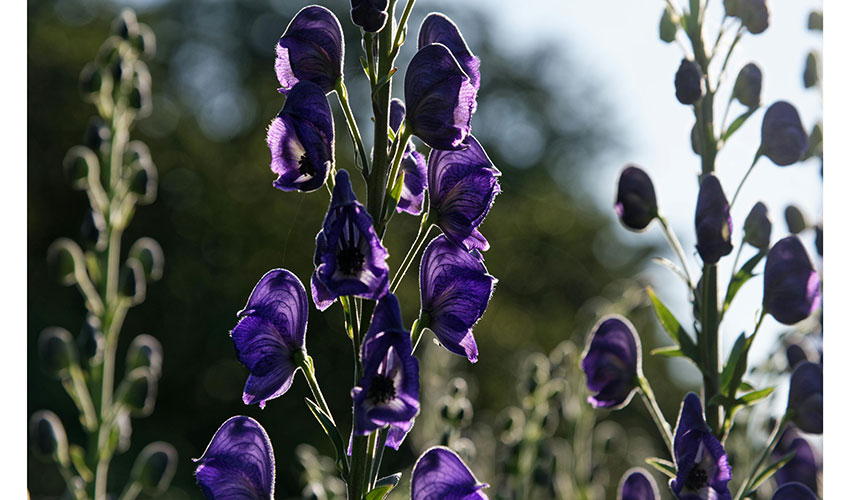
(262, 349)
(437, 28)
(311, 49)
(440, 474)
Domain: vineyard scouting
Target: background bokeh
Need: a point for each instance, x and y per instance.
(560, 256)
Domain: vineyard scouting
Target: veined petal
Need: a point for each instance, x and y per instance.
(311, 49)
(440, 474)
(612, 362)
(280, 298)
(438, 28)
(261, 348)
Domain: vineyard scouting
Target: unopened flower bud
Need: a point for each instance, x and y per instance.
(636, 205)
(791, 285)
(137, 392)
(612, 362)
(91, 79)
(145, 42)
(143, 173)
(816, 20)
(690, 86)
(145, 351)
(748, 86)
(91, 340)
(757, 227)
(371, 15)
(754, 15)
(140, 95)
(63, 257)
(805, 398)
(154, 467)
(713, 222)
(57, 351)
(93, 231)
(148, 252)
(47, 434)
(126, 25)
(667, 27)
(783, 139)
(131, 281)
(795, 219)
(811, 75)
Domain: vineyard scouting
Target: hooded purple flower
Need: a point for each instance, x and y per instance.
(437, 28)
(238, 462)
(462, 187)
(440, 98)
(794, 491)
(803, 466)
(690, 85)
(791, 285)
(350, 259)
(310, 49)
(440, 474)
(702, 470)
(371, 15)
(805, 398)
(270, 334)
(783, 139)
(301, 140)
(412, 165)
(455, 289)
(637, 484)
(636, 205)
(612, 362)
(388, 392)
(713, 223)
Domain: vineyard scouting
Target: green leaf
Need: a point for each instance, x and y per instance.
(670, 351)
(735, 125)
(664, 466)
(383, 487)
(754, 397)
(78, 458)
(746, 387)
(333, 434)
(673, 328)
(769, 471)
(742, 276)
(736, 365)
(383, 81)
(395, 194)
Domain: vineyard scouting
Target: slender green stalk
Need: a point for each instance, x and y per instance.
(402, 27)
(418, 329)
(772, 442)
(421, 236)
(310, 374)
(677, 248)
(657, 415)
(379, 455)
(353, 131)
(749, 170)
(710, 344)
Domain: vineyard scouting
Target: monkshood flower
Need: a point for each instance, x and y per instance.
(270, 335)
(783, 139)
(238, 462)
(455, 290)
(301, 140)
(637, 484)
(748, 86)
(636, 205)
(463, 185)
(713, 222)
(371, 15)
(349, 259)
(412, 164)
(794, 491)
(757, 227)
(702, 470)
(690, 86)
(310, 49)
(437, 28)
(803, 466)
(791, 284)
(805, 398)
(440, 474)
(440, 98)
(388, 392)
(612, 362)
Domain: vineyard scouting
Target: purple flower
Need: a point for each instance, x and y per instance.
(612, 362)
(349, 259)
(636, 205)
(783, 139)
(437, 28)
(805, 398)
(238, 462)
(440, 98)
(752, 13)
(310, 49)
(388, 392)
(440, 474)
(713, 223)
(791, 285)
(462, 187)
(455, 289)
(301, 140)
(690, 86)
(637, 484)
(270, 334)
(757, 227)
(412, 165)
(803, 466)
(794, 491)
(748, 86)
(702, 469)
(371, 15)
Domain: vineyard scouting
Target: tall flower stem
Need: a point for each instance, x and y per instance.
(710, 345)
(353, 131)
(772, 442)
(677, 248)
(402, 27)
(379, 456)
(421, 236)
(652, 405)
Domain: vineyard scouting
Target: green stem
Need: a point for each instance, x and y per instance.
(652, 405)
(729, 54)
(131, 491)
(402, 27)
(310, 374)
(677, 248)
(379, 456)
(418, 329)
(772, 442)
(422, 235)
(749, 170)
(710, 345)
(353, 131)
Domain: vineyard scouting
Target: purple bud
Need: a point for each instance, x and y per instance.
(757, 227)
(371, 15)
(440, 474)
(783, 139)
(690, 86)
(805, 398)
(754, 15)
(791, 285)
(795, 354)
(310, 49)
(636, 205)
(612, 362)
(795, 219)
(748, 86)
(794, 491)
(637, 484)
(713, 223)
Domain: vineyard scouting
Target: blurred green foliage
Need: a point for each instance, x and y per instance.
(222, 225)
